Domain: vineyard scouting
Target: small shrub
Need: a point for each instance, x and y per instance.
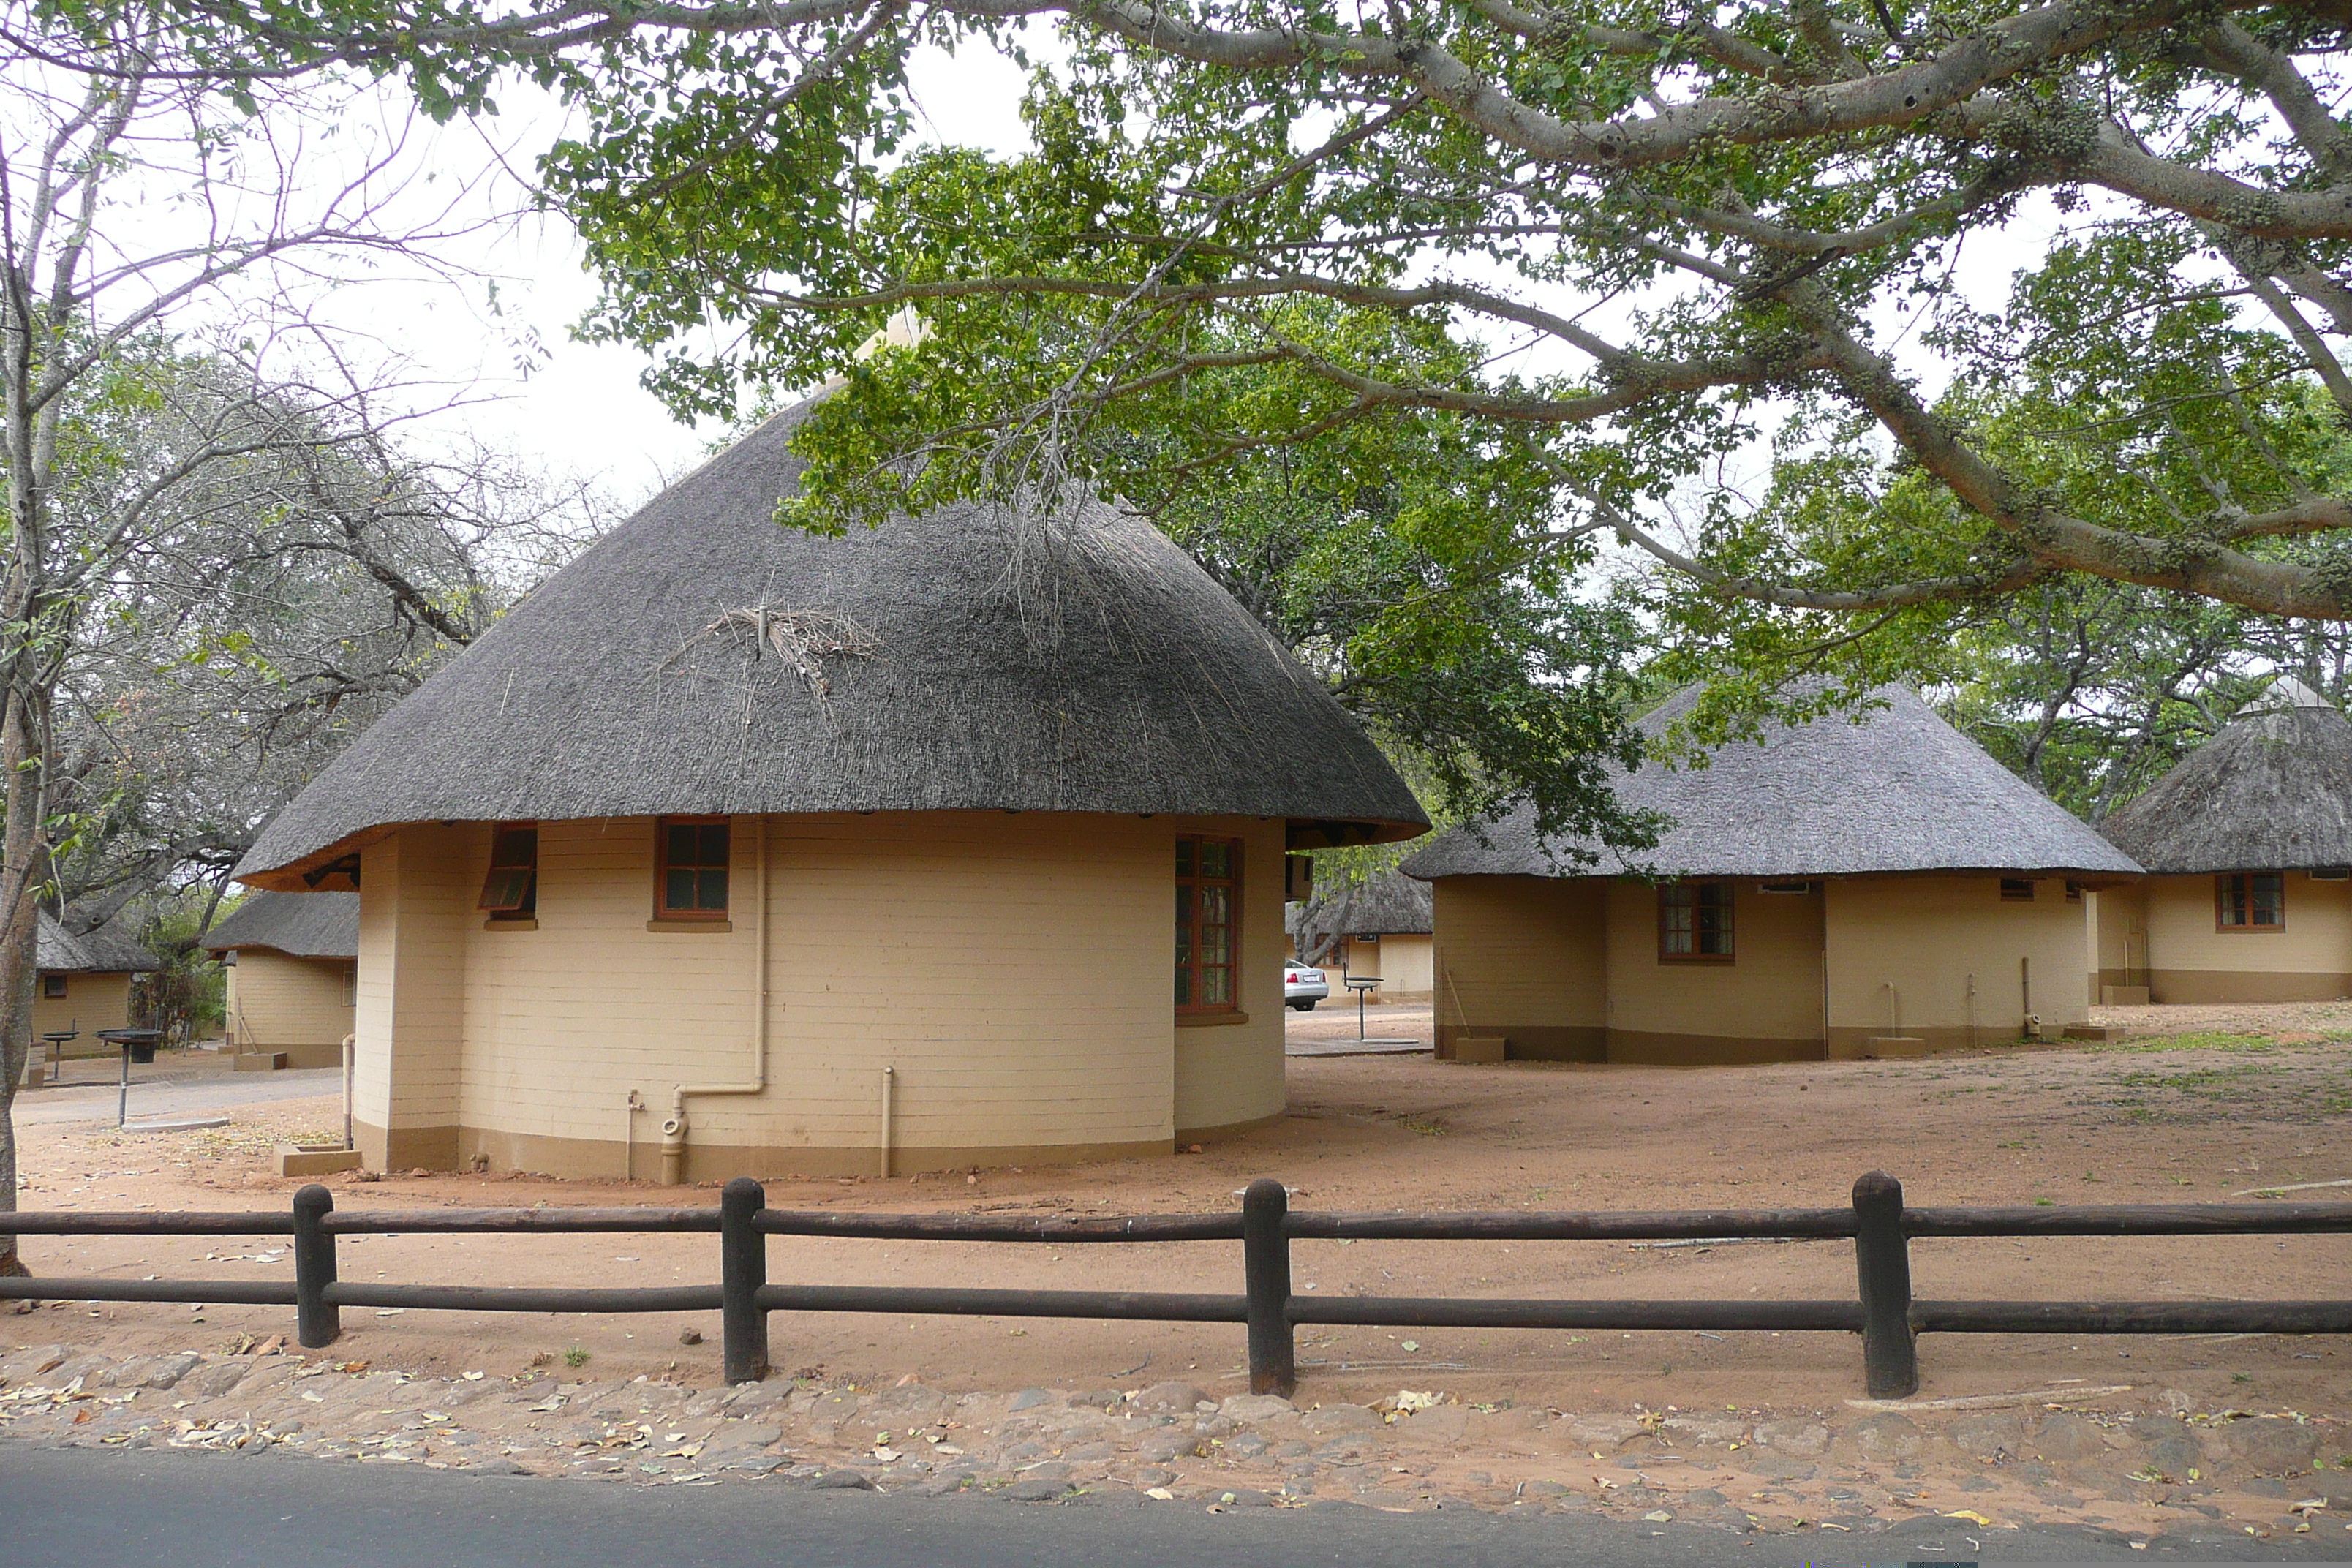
(576, 1357)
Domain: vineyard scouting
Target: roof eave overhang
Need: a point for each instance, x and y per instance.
(1338, 832)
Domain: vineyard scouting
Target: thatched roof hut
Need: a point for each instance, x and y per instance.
(1897, 790)
(1852, 885)
(1382, 925)
(2272, 791)
(300, 925)
(84, 978)
(104, 950)
(962, 661)
(2248, 841)
(1386, 904)
(293, 974)
(834, 855)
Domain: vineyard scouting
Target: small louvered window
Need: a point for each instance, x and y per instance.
(510, 890)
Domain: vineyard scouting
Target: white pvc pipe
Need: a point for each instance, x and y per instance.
(889, 1093)
(350, 1055)
(674, 1132)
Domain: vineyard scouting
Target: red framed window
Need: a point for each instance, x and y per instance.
(1208, 921)
(691, 871)
(2249, 900)
(1694, 923)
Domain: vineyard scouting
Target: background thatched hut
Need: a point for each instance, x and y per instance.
(85, 983)
(798, 854)
(292, 961)
(1842, 888)
(2248, 841)
(1381, 926)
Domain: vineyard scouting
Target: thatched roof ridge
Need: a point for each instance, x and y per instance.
(303, 925)
(2272, 791)
(1902, 791)
(103, 951)
(1387, 904)
(946, 662)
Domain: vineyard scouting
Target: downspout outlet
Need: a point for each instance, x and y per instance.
(674, 1143)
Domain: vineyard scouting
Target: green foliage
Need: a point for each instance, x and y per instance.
(188, 996)
(1267, 272)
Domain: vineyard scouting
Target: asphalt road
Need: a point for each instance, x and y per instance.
(78, 1507)
(174, 1095)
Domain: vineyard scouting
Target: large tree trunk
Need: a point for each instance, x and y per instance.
(19, 936)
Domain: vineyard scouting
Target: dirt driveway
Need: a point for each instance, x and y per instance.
(2202, 1116)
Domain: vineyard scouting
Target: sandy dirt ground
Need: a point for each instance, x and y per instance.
(2245, 1103)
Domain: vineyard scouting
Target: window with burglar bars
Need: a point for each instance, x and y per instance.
(510, 890)
(2249, 900)
(690, 883)
(1694, 923)
(1208, 912)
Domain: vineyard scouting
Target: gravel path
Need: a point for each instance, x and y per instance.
(2065, 1458)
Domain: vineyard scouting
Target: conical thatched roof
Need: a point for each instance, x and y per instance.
(104, 951)
(1388, 904)
(2272, 791)
(1901, 792)
(304, 925)
(956, 661)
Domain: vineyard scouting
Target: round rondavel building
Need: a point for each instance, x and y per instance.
(738, 851)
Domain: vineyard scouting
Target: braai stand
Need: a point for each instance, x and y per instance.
(138, 1045)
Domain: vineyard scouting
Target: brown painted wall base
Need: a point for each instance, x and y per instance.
(1230, 1129)
(406, 1148)
(305, 1056)
(1532, 1042)
(2191, 986)
(451, 1148)
(1638, 1049)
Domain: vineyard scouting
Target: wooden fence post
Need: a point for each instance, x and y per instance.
(742, 1271)
(1881, 1259)
(1265, 1269)
(317, 1322)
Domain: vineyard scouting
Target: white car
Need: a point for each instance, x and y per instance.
(1303, 986)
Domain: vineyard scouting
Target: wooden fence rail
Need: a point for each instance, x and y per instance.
(1883, 1309)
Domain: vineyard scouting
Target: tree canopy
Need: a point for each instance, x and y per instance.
(1578, 265)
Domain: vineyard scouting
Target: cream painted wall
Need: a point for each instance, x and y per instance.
(2318, 938)
(1012, 970)
(1928, 936)
(417, 889)
(1402, 959)
(1519, 955)
(2181, 937)
(1772, 991)
(2116, 919)
(277, 1000)
(92, 1003)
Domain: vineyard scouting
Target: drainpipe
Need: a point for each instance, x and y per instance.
(351, 1051)
(674, 1131)
(889, 1093)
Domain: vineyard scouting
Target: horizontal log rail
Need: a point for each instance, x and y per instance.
(1878, 1224)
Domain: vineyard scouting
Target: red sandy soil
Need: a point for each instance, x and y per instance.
(2195, 1119)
